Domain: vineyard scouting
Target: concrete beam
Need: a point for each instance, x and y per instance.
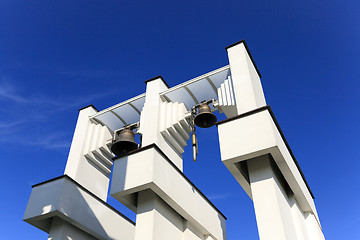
(149, 168)
(64, 198)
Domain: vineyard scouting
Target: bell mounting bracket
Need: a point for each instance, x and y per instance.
(129, 126)
(213, 101)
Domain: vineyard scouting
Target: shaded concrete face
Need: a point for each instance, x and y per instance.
(62, 230)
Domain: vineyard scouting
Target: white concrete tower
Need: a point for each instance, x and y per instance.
(150, 180)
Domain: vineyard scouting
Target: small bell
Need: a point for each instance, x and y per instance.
(124, 143)
(205, 118)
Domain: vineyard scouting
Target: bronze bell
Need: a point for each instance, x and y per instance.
(124, 143)
(205, 118)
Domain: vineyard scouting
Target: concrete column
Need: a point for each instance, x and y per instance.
(272, 208)
(61, 230)
(156, 220)
(248, 91)
(299, 218)
(150, 119)
(77, 166)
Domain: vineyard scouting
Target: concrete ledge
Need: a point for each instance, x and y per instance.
(64, 198)
(149, 168)
(258, 134)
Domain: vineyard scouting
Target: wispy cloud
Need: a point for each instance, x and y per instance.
(93, 73)
(26, 113)
(80, 101)
(10, 129)
(11, 93)
(53, 141)
(349, 223)
(11, 124)
(8, 92)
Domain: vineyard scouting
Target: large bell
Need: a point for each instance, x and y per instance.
(205, 118)
(124, 143)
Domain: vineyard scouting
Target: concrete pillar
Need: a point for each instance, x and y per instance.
(150, 119)
(272, 209)
(78, 167)
(299, 219)
(62, 230)
(245, 77)
(156, 220)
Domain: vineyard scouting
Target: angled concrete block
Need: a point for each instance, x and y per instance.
(255, 134)
(64, 198)
(149, 168)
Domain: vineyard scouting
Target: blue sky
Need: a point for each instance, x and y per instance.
(58, 56)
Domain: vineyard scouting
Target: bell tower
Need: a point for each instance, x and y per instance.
(138, 145)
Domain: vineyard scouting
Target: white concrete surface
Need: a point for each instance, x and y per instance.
(87, 163)
(191, 233)
(174, 126)
(257, 135)
(150, 182)
(273, 212)
(62, 230)
(157, 220)
(226, 102)
(64, 199)
(151, 118)
(247, 86)
(148, 169)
